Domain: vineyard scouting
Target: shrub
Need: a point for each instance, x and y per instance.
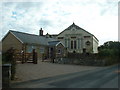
(7, 57)
(110, 52)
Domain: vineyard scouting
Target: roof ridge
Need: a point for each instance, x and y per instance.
(86, 31)
(81, 28)
(54, 41)
(78, 27)
(23, 32)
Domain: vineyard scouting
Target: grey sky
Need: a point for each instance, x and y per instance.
(99, 17)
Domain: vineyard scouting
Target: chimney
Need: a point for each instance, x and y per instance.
(47, 35)
(41, 32)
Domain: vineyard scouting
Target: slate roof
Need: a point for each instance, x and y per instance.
(77, 27)
(74, 25)
(53, 43)
(31, 38)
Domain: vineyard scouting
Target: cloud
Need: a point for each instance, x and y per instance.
(44, 23)
(96, 16)
(19, 16)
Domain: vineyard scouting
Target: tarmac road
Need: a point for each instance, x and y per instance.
(0, 77)
(106, 77)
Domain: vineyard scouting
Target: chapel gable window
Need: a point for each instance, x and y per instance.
(60, 37)
(75, 44)
(86, 36)
(73, 37)
(71, 44)
(88, 43)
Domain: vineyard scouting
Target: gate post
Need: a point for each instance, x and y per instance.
(6, 75)
(23, 59)
(34, 57)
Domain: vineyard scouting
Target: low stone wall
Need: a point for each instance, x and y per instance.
(80, 61)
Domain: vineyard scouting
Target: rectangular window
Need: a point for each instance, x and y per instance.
(75, 44)
(60, 37)
(71, 44)
(78, 43)
(42, 50)
(73, 37)
(65, 42)
(30, 48)
(86, 36)
(59, 51)
(84, 50)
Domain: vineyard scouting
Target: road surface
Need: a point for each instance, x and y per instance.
(0, 77)
(106, 77)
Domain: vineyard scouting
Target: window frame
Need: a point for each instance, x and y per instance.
(72, 44)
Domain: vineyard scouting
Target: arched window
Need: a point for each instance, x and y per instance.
(71, 44)
(88, 43)
(75, 44)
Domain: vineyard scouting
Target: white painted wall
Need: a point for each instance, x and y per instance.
(95, 45)
(79, 33)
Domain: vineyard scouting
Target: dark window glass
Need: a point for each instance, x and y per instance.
(68, 43)
(71, 44)
(65, 42)
(84, 50)
(59, 51)
(75, 44)
(73, 37)
(86, 36)
(88, 43)
(60, 37)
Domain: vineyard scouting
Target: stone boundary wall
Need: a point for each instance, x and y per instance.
(81, 59)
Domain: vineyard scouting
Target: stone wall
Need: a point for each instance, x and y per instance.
(81, 59)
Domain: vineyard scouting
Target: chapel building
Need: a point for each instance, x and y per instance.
(78, 40)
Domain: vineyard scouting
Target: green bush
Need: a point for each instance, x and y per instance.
(8, 58)
(110, 52)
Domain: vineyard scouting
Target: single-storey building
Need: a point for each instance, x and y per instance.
(24, 42)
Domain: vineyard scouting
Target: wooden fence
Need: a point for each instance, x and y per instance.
(25, 57)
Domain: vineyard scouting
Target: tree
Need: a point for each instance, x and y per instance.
(110, 51)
